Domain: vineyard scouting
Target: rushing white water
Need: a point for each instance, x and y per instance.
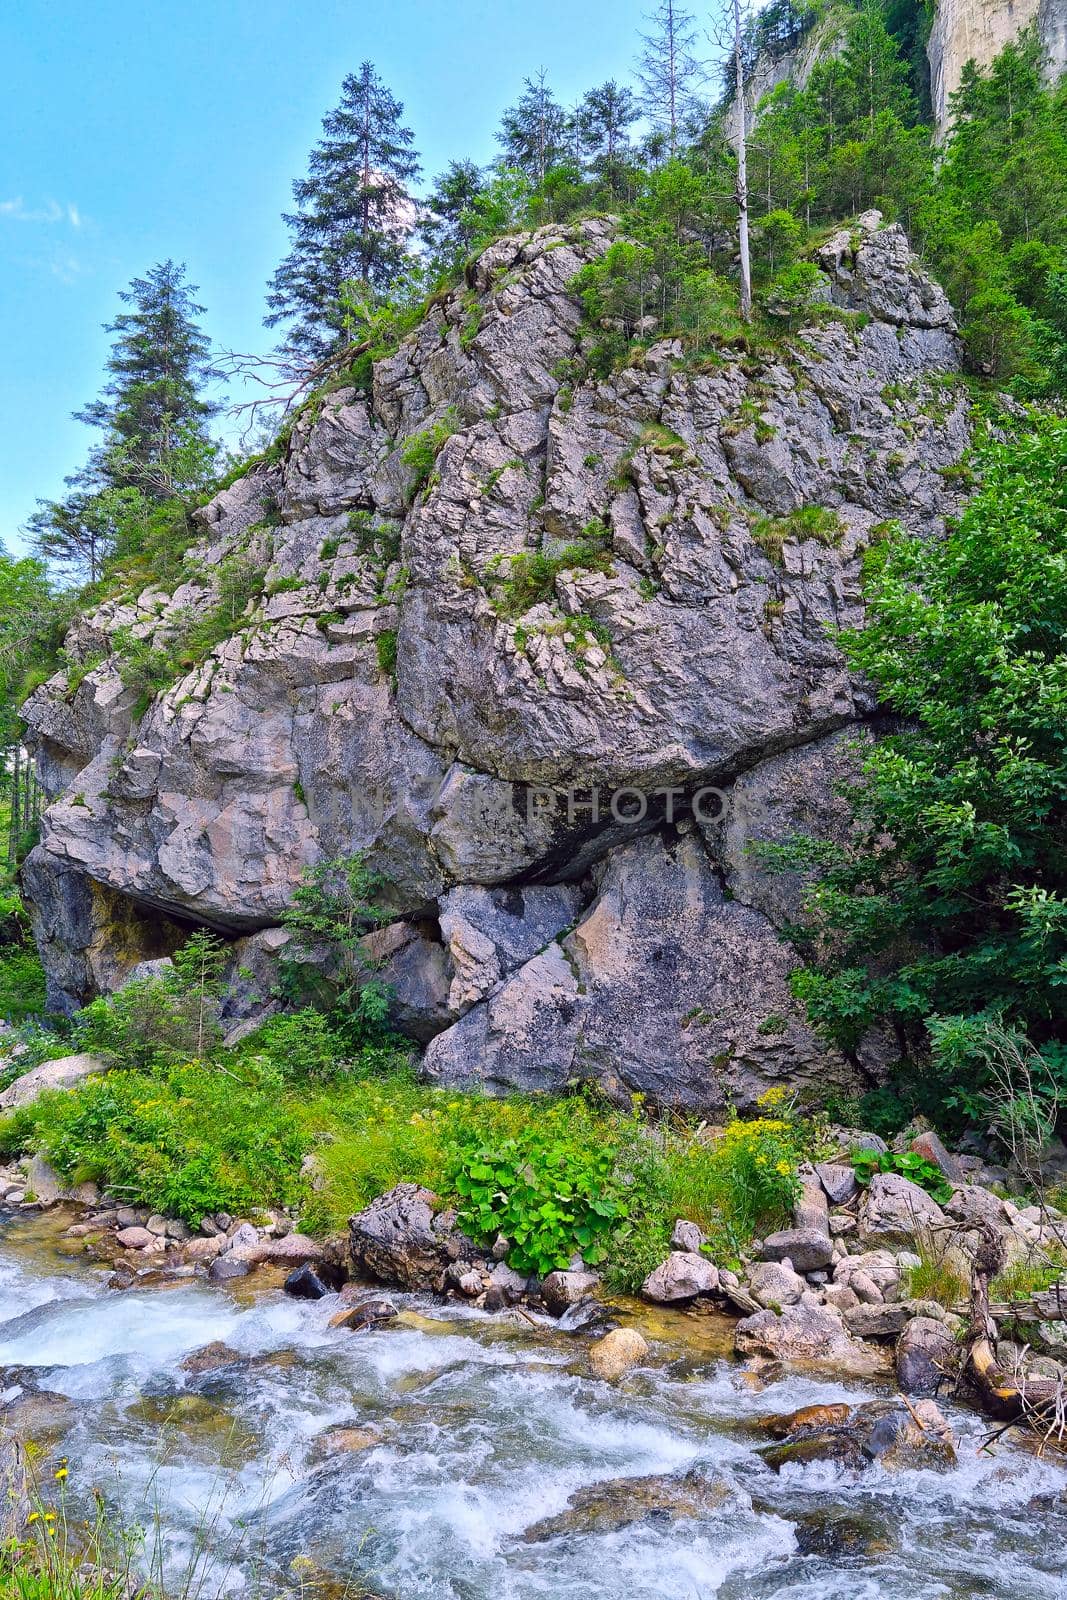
(481, 1430)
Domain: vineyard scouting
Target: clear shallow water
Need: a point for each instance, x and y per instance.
(481, 1430)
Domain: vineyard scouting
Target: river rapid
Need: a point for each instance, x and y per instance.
(417, 1460)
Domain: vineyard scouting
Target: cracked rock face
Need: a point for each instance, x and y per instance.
(549, 927)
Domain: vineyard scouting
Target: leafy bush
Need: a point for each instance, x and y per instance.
(531, 578)
(22, 982)
(621, 287)
(795, 292)
(302, 1045)
(947, 913)
(751, 1172)
(906, 1164)
(187, 1141)
(548, 1196)
(743, 1180)
(333, 907)
(386, 647)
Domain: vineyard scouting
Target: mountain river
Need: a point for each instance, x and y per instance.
(439, 1458)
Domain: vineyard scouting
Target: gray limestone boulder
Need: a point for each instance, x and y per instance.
(390, 691)
(896, 1212)
(774, 1284)
(809, 1249)
(404, 1238)
(62, 1073)
(683, 1276)
(562, 1289)
(927, 1356)
(808, 1336)
(838, 1181)
(658, 990)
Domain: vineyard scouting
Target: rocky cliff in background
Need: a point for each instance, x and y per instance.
(960, 31)
(684, 647)
(977, 30)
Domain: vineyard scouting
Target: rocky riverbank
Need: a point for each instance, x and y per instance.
(855, 1288)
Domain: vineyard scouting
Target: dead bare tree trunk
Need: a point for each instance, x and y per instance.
(742, 168)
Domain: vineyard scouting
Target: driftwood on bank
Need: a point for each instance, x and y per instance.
(1008, 1395)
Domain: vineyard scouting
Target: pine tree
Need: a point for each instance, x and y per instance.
(152, 410)
(353, 219)
(603, 119)
(533, 133)
(669, 71)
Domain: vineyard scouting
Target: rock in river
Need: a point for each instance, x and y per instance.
(406, 1238)
(683, 1276)
(808, 1336)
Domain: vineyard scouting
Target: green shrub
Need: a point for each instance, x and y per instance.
(945, 916)
(422, 449)
(795, 292)
(187, 1141)
(532, 575)
(303, 1045)
(22, 981)
(730, 1186)
(385, 646)
(549, 1197)
(621, 287)
(159, 1021)
(907, 1164)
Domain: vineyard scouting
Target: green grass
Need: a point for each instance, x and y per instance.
(531, 576)
(1030, 1276)
(386, 646)
(935, 1278)
(232, 1134)
(809, 522)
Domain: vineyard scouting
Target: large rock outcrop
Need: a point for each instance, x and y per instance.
(559, 779)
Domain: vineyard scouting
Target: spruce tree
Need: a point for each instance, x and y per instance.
(153, 415)
(604, 118)
(353, 217)
(450, 225)
(533, 132)
(152, 410)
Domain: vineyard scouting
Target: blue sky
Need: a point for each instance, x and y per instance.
(132, 130)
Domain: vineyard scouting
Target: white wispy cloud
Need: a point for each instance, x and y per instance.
(16, 210)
